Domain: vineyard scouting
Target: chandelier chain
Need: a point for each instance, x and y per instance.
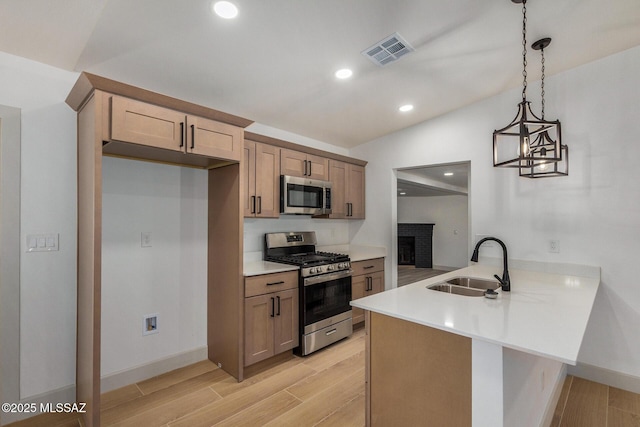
(524, 51)
(542, 84)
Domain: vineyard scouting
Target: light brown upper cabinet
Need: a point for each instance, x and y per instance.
(297, 163)
(261, 192)
(348, 198)
(147, 124)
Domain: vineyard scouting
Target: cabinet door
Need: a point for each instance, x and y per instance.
(297, 163)
(258, 324)
(358, 286)
(249, 175)
(146, 124)
(318, 167)
(355, 190)
(338, 178)
(214, 139)
(376, 282)
(267, 177)
(293, 163)
(286, 335)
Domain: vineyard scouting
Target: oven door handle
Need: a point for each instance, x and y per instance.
(327, 277)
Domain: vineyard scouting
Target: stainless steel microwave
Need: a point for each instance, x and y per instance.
(304, 196)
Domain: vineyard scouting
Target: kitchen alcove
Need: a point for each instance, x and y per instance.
(91, 98)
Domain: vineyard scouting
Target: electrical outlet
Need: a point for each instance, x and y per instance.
(145, 239)
(554, 246)
(150, 324)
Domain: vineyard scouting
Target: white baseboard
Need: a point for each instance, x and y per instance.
(606, 376)
(555, 397)
(61, 395)
(140, 373)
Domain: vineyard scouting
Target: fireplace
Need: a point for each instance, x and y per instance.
(415, 245)
(406, 250)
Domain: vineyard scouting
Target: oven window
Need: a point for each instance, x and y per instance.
(326, 299)
(304, 196)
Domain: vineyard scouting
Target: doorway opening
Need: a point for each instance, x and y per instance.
(432, 226)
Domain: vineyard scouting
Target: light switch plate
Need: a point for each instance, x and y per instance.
(42, 242)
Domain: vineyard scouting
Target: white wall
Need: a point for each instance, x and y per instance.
(530, 384)
(594, 212)
(48, 204)
(9, 255)
(451, 218)
(169, 278)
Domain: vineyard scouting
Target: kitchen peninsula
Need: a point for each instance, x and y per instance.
(460, 360)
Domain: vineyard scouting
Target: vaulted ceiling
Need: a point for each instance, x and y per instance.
(275, 62)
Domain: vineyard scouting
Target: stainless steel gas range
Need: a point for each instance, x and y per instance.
(324, 285)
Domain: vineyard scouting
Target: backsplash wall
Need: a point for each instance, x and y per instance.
(328, 231)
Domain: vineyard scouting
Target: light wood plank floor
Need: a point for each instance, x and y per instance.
(324, 389)
(410, 274)
(585, 403)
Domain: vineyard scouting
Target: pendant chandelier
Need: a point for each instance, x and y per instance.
(529, 142)
(545, 144)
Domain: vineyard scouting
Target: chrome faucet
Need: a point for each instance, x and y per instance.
(505, 282)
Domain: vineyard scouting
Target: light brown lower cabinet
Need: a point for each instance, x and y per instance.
(416, 375)
(271, 319)
(368, 279)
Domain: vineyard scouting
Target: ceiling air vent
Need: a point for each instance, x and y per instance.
(388, 50)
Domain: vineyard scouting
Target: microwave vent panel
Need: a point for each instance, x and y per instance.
(388, 50)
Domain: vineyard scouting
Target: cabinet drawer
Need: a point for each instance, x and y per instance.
(367, 266)
(266, 283)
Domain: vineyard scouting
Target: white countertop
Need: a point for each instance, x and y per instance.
(256, 268)
(544, 314)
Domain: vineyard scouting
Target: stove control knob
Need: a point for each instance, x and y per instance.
(342, 265)
(330, 267)
(313, 270)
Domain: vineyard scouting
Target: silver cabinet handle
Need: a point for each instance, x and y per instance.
(333, 331)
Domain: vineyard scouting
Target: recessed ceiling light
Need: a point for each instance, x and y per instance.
(402, 193)
(344, 73)
(225, 9)
(405, 108)
(448, 174)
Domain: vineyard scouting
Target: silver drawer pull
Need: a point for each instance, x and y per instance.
(333, 331)
(275, 283)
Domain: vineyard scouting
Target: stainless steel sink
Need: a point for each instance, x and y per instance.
(458, 290)
(471, 282)
(467, 286)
